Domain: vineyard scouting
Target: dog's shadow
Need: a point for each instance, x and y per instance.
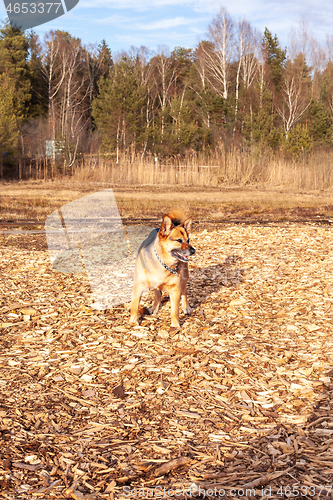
(204, 281)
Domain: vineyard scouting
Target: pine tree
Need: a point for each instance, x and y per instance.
(117, 108)
(38, 102)
(8, 124)
(104, 55)
(276, 57)
(14, 48)
(320, 113)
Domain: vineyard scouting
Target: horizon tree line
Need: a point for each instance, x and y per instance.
(238, 87)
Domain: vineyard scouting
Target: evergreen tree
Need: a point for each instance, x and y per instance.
(98, 64)
(299, 140)
(8, 123)
(38, 102)
(320, 123)
(260, 129)
(117, 108)
(14, 50)
(105, 58)
(182, 61)
(320, 113)
(276, 57)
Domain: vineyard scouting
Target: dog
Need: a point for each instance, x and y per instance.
(162, 264)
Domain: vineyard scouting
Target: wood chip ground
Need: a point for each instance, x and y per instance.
(238, 403)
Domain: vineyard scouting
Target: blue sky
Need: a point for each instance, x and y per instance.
(173, 23)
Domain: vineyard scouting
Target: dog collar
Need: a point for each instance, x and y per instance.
(173, 271)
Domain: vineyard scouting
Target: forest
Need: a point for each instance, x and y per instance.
(239, 89)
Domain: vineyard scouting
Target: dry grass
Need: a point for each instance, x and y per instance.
(219, 168)
(37, 199)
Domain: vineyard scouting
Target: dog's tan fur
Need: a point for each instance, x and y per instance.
(172, 245)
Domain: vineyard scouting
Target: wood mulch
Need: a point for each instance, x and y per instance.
(238, 403)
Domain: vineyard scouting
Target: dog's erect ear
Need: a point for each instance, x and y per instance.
(188, 225)
(166, 225)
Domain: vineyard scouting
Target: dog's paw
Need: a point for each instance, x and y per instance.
(133, 321)
(187, 310)
(175, 323)
(153, 311)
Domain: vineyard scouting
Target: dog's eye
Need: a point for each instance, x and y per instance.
(180, 241)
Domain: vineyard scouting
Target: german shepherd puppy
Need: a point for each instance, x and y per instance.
(162, 264)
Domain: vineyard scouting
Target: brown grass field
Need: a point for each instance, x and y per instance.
(37, 199)
(236, 404)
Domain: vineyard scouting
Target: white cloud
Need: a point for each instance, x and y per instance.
(164, 24)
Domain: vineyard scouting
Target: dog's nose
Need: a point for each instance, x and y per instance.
(192, 250)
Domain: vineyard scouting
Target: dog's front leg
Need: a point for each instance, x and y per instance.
(183, 282)
(185, 305)
(137, 293)
(157, 302)
(175, 300)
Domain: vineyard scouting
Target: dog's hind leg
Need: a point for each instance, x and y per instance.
(157, 302)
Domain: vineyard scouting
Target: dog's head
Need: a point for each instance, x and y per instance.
(174, 238)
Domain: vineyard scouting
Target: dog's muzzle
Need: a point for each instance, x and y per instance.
(183, 256)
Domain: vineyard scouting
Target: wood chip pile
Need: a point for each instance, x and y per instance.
(238, 403)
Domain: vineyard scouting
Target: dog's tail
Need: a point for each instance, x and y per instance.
(177, 216)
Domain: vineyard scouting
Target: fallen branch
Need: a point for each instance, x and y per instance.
(169, 466)
(263, 480)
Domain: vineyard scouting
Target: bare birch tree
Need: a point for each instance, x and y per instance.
(294, 91)
(62, 68)
(218, 60)
(247, 44)
(74, 105)
(53, 71)
(262, 62)
(165, 75)
(241, 40)
(246, 59)
(93, 59)
(201, 90)
(200, 64)
(302, 41)
(252, 47)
